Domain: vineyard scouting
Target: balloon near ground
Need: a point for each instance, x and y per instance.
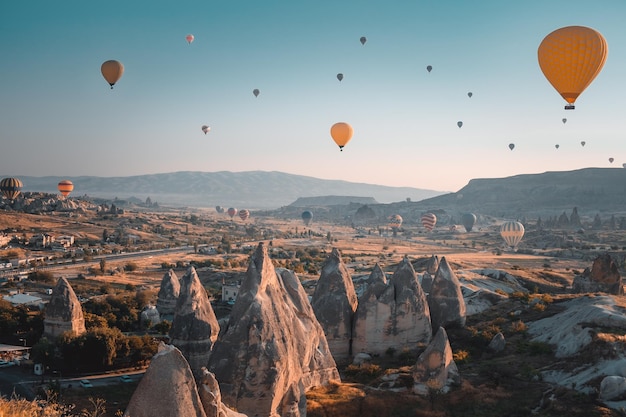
(112, 71)
(570, 58)
(231, 212)
(307, 216)
(429, 220)
(512, 232)
(11, 187)
(341, 133)
(395, 221)
(219, 209)
(244, 214)
(468, 220)
(65, 187)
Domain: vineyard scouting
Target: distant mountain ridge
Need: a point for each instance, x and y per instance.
(251, 189)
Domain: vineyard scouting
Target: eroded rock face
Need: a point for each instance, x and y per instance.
(445, 300)
(427, 277)
(274, 349)
(168, 293)
(194, 328)
(392, 315)
(334, 303)
(603, 276)
(64, 312)
(435, 368)
(168, 388)
(211, 397)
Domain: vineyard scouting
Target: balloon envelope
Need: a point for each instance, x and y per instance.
(65, 187)
(511, 146)
(459, 124)
(470, 94)
(340, 76)
(244, 214)
(363, 40)
(428, 221)
(556, 146)
(112, 71)
(429, 68)
(307, 216)
(468, 220)
(256, 92)
(341, 133)
(512, 233)
(582, 143)
(395, 221)
(564, 120)
(611, 160)
(189, 38)
(570, 58)
(206, 129)
(11, 187)
(232, 212)
(219, 209)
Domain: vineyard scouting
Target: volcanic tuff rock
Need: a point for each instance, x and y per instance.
(604, 276)
(435, 368)
(150, 316)
(427, 277)
(445, 300)
(168, 293)
(395, 315)
(63, 312)
(274, 349)
(334, 303)
(211, 397)
(194, 328)
(168, 388)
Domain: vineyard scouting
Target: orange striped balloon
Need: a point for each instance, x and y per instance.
(428, 221)
(65, 187)
(244, 214)
(11, 187)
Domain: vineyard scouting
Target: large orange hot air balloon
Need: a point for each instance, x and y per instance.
(65, 187)
(341, 133)
(570, 58)
(112, 71)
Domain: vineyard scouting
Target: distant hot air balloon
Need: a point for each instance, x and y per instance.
(428, 221)
(65, 187)
(340, 76)
(429, 68)
(570, 58)
(307, 216)
(556, 146)
(206, 129)
(611, 160)
(112, 71)
(256, 92)
(363, 40)
(341, 133)
(512, 233)
(564, 120)
(582, 143)
(511, 146)
(244, 214)
(395, 221)
(219, 209)
(468, 220)
(470, 94)
(231, 212)
(189, 38)
(11, 187)
(459, 124)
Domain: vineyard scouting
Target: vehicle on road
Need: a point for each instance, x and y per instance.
(85, 383)
(126, 378)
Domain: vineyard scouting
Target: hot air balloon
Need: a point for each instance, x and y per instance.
(459, 124)
(429, 68)
(511, 146)
(65, 187)
(468, 220)
(428, 221)
(582, 143)
(570, 58)
(112, 71)
(244, 214)
(395, 221)
(556, 146)
(363, 40)
(219, 209)
(512, 233)
(256, 92)
(340, 76)
(206, 129)
(470, 94)
(624, 165)
(307, 216)
(11, 187)
(611, 160)
(231, 212)
(341, 133)
(189, 38)
(564, 120)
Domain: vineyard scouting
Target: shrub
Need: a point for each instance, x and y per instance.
(460, 356)
(518, 327)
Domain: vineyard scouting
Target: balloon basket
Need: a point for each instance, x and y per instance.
(570, 107)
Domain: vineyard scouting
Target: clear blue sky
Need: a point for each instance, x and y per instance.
(58, 116)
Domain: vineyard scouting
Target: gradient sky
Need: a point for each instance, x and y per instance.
(58, 116)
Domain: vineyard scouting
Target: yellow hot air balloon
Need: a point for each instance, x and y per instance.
(341, 133)
(570, 58)
(112, 71)
(65, 187)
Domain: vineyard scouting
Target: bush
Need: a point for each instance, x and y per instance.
(41, 276)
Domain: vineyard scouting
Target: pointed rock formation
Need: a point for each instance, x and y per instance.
(168, 388)
(274, 349)
(435, 369)
(64, 312)
(445, 300)
(431, 269)
(194, 328)
(394, 315)
(334, 303)
(211, 397)
(168, 293)
(603, 276)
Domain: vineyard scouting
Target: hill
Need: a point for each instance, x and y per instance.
(252, 189)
